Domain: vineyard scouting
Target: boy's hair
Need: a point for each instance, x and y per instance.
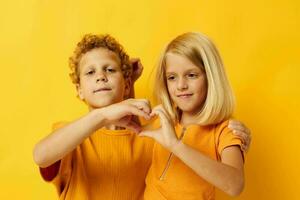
(90, 42)
(200, 50)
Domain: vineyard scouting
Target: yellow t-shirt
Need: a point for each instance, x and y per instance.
(110, 164)
(179, 181)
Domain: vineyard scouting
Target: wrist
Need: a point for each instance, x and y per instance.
(177, 147)
(100, 117)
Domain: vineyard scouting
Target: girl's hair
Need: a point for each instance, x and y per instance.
(199, 49)
(90, 42)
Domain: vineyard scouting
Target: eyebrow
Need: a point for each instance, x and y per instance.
(186, 71)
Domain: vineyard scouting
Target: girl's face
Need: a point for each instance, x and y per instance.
(101, 78)
(186, 83)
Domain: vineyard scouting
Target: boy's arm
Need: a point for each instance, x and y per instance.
(62, 141)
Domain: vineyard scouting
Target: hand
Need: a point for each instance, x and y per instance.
(240, 130)
(121, 114)
(137, 69)
(165, 135)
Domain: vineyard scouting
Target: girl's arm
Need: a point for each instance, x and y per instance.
(227, 175)
(62, 141)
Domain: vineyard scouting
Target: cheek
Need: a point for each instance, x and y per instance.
(85, 84)
(119, 83)
(201, 87)
(170, 87)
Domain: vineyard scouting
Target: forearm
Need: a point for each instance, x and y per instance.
(225, 177)
(64, 140)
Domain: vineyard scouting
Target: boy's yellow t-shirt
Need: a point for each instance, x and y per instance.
(110, 164)
(179, 181)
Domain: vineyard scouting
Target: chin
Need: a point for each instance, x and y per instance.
(187, 109)
(102, 103)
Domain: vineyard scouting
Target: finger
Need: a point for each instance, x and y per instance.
(142, 104)
(147, 134)
(162, 109)
(245, 138)
(238, 124)
(133, 60)
(137, 67)
(239, 127)
(245, 148)
(164, 119)
(136, 62)
(135, 111)
(140, 68)
(233, 122)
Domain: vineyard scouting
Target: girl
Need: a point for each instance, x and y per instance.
(195, 150)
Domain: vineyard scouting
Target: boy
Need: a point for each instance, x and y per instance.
(92, 157)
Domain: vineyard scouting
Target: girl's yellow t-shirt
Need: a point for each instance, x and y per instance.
(169, 178)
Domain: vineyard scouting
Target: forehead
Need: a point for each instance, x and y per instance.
(179, 63)
(99, 56)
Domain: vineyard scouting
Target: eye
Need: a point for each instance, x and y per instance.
(90, 72)
(192, 75)
(171, 78)
(110, 70)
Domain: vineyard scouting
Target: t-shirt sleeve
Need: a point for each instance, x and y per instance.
(226, 138)
(58, 173)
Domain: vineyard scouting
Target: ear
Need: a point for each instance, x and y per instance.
(79, 91)
(128, 88)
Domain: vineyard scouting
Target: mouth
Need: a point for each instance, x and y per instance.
(184, 95)
(105, 89)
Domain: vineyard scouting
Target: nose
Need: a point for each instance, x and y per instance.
(101, 77)
(182, 84)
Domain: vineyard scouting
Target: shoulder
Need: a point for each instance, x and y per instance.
(222, 127)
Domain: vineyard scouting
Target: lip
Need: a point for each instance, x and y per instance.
(104, 89)
(184, 95)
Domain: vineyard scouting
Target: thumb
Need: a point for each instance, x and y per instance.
(150, 134)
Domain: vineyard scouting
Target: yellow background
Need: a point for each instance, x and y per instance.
(259, 42)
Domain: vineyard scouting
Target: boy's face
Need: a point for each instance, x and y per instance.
(101, 79)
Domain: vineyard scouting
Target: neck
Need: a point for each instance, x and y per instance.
(113, 127)
(188, 118)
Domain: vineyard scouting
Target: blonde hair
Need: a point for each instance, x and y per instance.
(199, 49)
(90, 42)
